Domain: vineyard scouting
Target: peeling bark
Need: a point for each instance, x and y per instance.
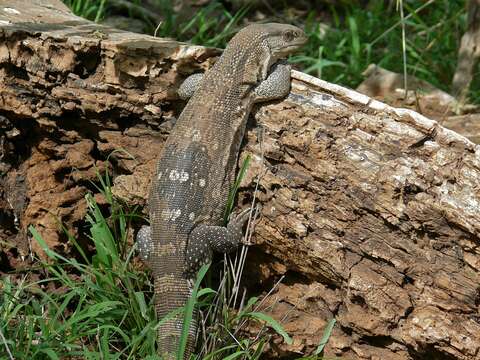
(370, 212)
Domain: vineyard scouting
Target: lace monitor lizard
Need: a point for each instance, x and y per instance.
(196, 167)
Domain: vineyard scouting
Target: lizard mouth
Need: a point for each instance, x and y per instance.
(293, 46)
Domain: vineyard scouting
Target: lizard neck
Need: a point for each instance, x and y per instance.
(245, 64)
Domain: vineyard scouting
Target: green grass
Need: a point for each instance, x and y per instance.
(100, 306)
(359, 37)
(89, 9)
(343, 38)
(94, 308)
(212, 25)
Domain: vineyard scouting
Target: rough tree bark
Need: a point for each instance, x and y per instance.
(371, 213)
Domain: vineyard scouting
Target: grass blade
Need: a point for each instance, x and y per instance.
(326, 335)
(189, 308)
(272, 323)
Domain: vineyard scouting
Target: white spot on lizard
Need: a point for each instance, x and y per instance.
(202, 182)
(176, 214)
(174, 175)
(165, 214)
(191, 216)
(184, 176)
(196, 135)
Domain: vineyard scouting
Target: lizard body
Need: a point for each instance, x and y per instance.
(196, 167)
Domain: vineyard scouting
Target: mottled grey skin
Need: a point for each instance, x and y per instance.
(196, 167)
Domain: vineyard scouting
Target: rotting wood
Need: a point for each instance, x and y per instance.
(370, 212)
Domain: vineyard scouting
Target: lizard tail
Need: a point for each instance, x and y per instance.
(172, 293)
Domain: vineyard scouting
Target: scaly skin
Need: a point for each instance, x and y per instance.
(196, 167)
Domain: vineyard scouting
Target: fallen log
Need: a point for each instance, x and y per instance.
(371, 213)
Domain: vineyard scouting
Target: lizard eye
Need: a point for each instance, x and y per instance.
(288, 36)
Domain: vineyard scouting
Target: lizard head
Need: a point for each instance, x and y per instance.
(257, 46)
(279, 39)
(282, 39)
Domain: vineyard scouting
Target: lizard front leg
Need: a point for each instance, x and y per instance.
(205, 239)
(276, 85)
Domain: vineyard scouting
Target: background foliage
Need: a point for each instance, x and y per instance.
(344, 36)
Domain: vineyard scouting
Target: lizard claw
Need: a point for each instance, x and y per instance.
(238, 221)
(240, 218)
